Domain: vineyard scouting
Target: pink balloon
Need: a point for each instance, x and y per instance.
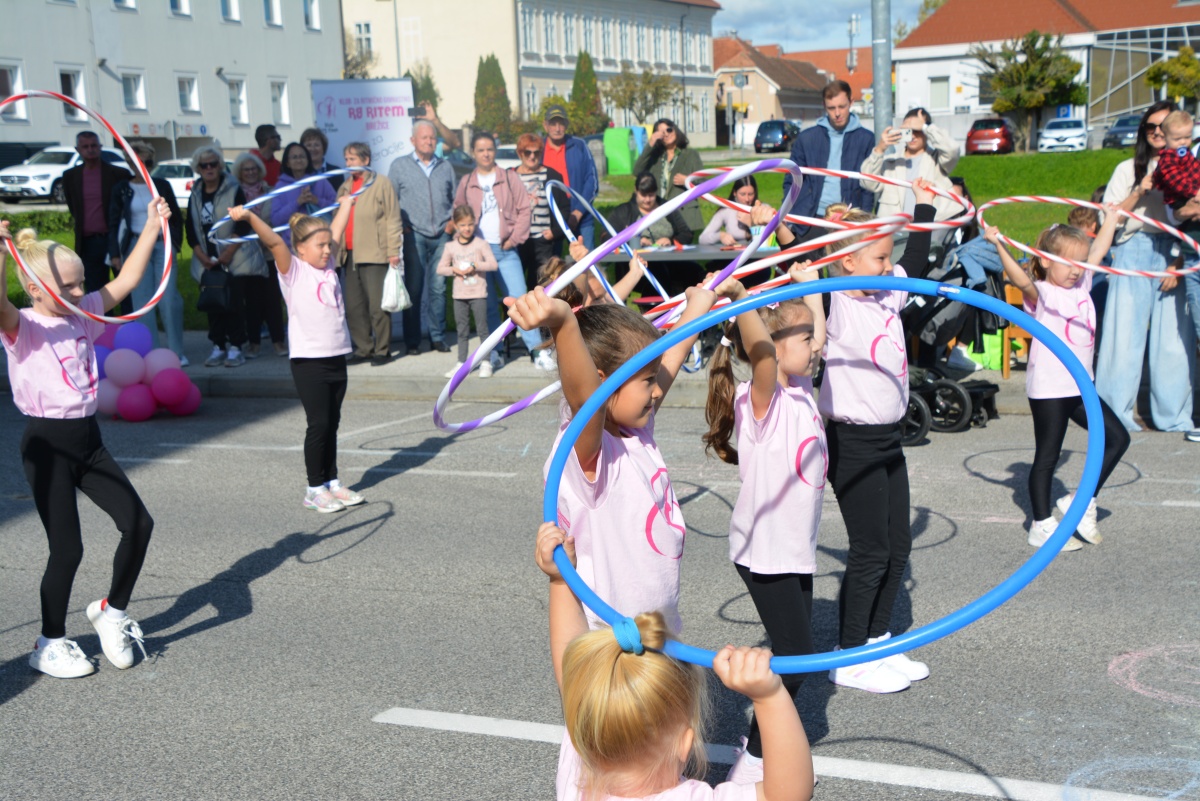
(158, 360)
(136, 403)
(106, 397)
(109, 336)
(170, 386)
(190, 404)
(124, 367)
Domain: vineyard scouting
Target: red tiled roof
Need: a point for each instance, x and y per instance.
(771, 50)
(730, 51)
(833, 62)
(966, 21)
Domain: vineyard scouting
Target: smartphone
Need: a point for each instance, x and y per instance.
(906, 135)
(416, 111)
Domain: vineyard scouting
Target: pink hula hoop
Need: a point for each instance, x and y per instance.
(168, 251)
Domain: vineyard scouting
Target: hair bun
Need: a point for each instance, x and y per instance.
(25, 239)
(296, 217)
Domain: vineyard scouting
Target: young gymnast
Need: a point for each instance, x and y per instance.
(782, 457)
(1059, 297)
(864, 396)
(635, 717)
(318, 341)
(54, 376)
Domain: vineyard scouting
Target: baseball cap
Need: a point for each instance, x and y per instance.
(555, 111)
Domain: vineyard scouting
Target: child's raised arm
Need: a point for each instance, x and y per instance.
(1104, 236)
(271, 240)
(134, 267)
(799, 273)
(10, 318)
(637, 268)
(1012, 271)
(756, 339)
(567, 620)
(699, 301)
(342, 218)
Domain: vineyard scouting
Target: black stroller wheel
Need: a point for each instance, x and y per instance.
(917, 419)
(950, 406)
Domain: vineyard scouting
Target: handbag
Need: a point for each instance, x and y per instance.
(395, 296)
(214, 292)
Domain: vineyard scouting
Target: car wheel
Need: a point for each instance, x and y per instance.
(58, 193)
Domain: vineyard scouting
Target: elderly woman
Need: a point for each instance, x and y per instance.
(545, 236)
(917, 149)
(126, 219)
(371, 246)
(317, 143)
(1135, 305)
(669, 159)
(297, 164)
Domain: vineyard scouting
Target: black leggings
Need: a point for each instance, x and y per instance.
(784, 604)
(321, 385)
(61, 456)
(870, 478)
(1050, 417)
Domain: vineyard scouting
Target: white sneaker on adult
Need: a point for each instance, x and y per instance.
(746, 769)
(62, 660)
(911, 669)
(1193, 435)
(116, 636)
(485, 368)
(545, 361)
(1041, 530)
(959, 360)
(216, 358)
(873, 676)
(1087, 526)
(450, 373)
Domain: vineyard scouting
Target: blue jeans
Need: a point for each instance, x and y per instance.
(513, 276)
(1192, 287)
(433, 293)
(1134, 307)
(171, 303)
(587, 230)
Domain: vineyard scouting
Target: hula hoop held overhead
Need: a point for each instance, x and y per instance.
(168, 250)
(283, 190)
(928, 633)
(1087, 204)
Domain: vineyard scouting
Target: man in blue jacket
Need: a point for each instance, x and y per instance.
(571, 157)
(837, 142)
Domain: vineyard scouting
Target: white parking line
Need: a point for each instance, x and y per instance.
(151, 459)
(427, 471)
(1189, 504)
(427, 415)
(236, 446)
(825, 767)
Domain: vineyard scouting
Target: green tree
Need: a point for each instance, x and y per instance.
(356, 62)
(587, 112)
(493, 112)
(1028, 74)
(1180, 74)
(903, 29)
(424, 89)
(642, 95)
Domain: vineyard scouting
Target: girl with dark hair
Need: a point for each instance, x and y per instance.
(669, 159)
(1137, 307)
(670, 230)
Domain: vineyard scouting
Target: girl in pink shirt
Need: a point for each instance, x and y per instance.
(53, 373)
(1059, 297)
(318, 341)
(864, 395)
(781, 458)
(635, 717)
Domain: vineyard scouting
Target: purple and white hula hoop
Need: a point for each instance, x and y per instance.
(283, 190)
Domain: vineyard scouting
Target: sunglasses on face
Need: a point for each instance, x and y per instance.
(529, 153)
(208, 165)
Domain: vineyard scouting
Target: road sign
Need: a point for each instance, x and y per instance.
(739, 80)
(1063, 112)
(204, 130)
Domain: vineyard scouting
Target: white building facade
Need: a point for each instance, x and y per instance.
(176, 73)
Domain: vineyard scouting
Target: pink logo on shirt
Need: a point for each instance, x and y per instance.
(77, 368)
(669, 508)
(1085, 322)
(886, 362)
(328, 281)
(802, 463)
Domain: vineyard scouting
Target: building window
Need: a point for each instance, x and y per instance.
(623, 40)
(641, 41)
(528, 40)
(362, 38)
(569, 35)
(704, 113)
(549, 39)
(239, 114)
(70, 83)
(181, 8)
(231, 11)
(280, 113)
(672, 45)
(705, 56)
(272, 14)
(531, 104)
(657, 42)
(689, 112)
(987, 95)
(939, 93)
(126, 5)
(589, 37)
(11, 84)
(688, 41)
(606, 49)
(189, 94)
(312, 15)
(134, 88)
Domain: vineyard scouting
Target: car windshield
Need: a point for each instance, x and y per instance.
(1129, 122)
(172, 171)
(509, 153)
(770, 124)
(52, 157)
(1058, 125)
(987, 125)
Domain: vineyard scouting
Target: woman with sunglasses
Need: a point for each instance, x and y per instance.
(545, 236)
(669, 159)
(126, 219)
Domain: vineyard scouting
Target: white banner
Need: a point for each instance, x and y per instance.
(371, 111)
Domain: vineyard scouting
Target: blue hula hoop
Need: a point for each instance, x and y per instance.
(930, 632)
(283, 190)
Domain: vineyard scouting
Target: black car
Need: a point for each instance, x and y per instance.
(775, 135)
(1123, 132)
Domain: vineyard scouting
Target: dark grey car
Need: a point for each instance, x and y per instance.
(1123, 132)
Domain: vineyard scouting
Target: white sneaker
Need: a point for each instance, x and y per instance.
(346, 496)
(116, 636)
(1087, 526)
(62, 660)
(1041, 530)
(746, 769)
(450, 373)
(909, 668)
(959, 360)
(1193, 435)
(485, 368)
(216, 358)
(545, 361)
(873, 676)
(183, 360)
(235, 358)
(322, 501)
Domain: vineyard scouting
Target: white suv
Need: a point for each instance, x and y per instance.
(40, 175)
(1062, 135)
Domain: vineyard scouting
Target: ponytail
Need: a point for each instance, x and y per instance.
(718, 409)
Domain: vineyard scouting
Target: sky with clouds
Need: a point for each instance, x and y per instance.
(813, 25)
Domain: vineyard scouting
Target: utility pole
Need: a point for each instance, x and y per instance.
(881, 62)
(852, 54)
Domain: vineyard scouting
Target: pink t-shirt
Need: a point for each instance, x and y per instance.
(782, 462)
(316, 311)
(627, 524)
(1070, 315)
(52, 362)
(570, 768)
(866, 363)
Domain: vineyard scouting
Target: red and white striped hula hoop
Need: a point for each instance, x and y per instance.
(169, 253)
(947, 225)
(1066, 201)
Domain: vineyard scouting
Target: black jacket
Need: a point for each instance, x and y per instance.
(120, 238)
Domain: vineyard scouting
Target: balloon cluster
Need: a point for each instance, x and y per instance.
(136, 380)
